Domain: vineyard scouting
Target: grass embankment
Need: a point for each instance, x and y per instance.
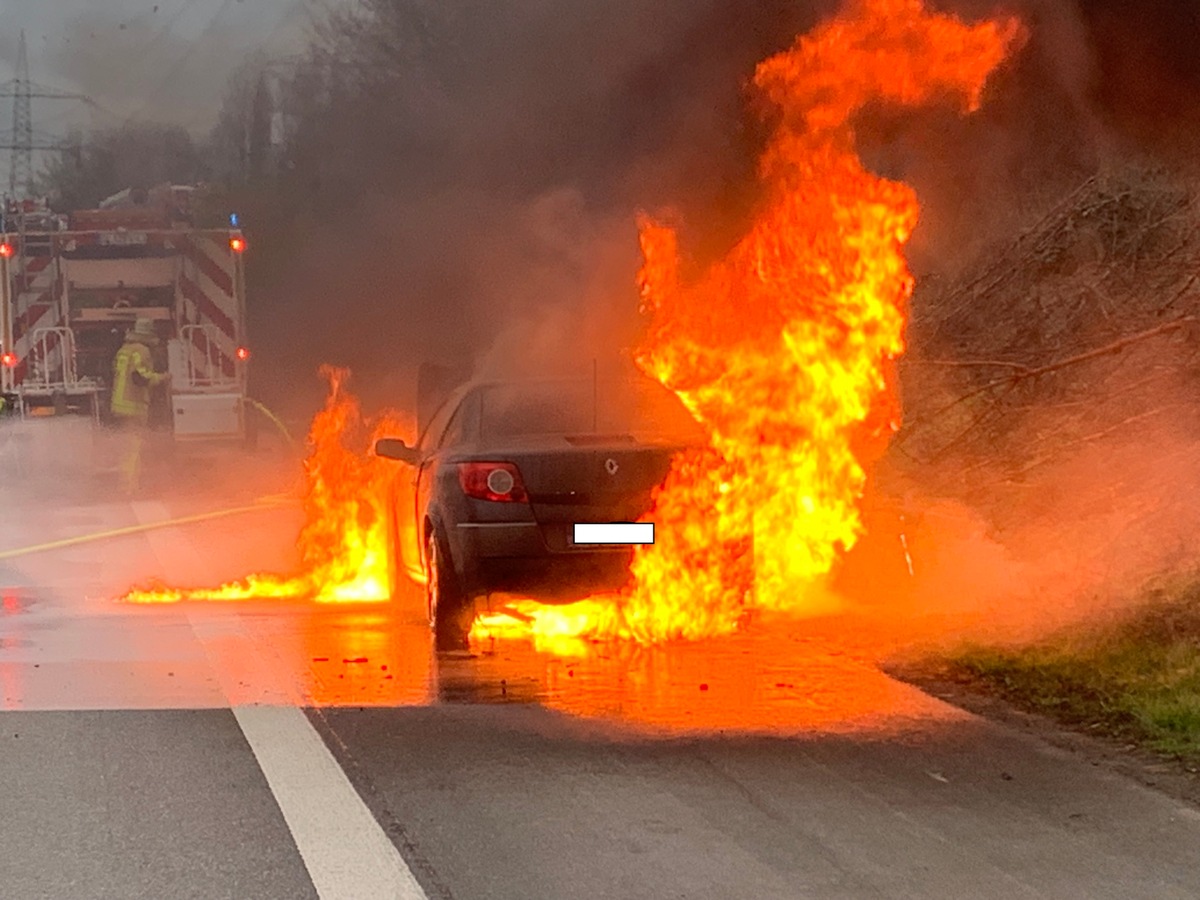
(1137, 679)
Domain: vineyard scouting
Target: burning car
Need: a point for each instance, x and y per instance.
(504, 471)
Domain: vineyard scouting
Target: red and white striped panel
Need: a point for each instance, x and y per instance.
(36, 293)
(207, 281)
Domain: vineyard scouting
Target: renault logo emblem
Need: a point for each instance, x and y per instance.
(610, 466)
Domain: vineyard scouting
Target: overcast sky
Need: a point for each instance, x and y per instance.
(156, 59)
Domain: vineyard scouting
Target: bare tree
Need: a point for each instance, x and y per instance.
(240, 143)
(138, 155)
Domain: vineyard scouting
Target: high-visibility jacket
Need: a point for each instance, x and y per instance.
(133, 378)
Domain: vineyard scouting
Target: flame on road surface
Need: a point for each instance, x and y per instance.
(343, 544)
(783, 349)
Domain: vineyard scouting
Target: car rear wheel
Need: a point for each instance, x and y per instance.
(448, 606)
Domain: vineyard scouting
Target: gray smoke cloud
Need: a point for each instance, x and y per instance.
(506, 170)
(164, 60)
(495, 183)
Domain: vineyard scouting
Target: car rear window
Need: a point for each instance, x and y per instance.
(643, 410)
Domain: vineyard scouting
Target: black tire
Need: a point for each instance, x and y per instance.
(448, 606)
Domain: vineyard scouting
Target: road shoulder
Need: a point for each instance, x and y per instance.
(1178, 780)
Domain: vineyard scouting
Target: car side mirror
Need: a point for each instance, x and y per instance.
(394, 448)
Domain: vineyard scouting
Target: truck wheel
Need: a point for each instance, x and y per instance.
(448, 606)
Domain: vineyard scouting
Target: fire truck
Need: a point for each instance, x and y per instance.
(71, 286)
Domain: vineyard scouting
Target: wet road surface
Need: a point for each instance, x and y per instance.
(287, 750)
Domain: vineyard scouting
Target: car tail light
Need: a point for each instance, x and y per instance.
(6, 250)
(8, 360)
(243, 353)
(496, 481)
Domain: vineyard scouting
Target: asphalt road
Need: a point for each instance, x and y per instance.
(266, 750)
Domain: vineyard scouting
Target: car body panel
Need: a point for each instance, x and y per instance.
(570, 477)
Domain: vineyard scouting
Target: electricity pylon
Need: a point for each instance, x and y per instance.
(20, 173)
(23, 140)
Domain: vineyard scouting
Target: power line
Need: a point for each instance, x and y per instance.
(128, 64)
(22, 141)
(159, 36)
(32, 140)
(290, 14)
(178, 68)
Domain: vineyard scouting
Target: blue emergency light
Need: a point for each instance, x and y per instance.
(233, 220)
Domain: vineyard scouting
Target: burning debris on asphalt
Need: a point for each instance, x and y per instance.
(343, 544)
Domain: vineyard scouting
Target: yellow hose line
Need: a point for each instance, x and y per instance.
(274, 419)
(264, 503)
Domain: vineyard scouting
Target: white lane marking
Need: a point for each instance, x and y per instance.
(344, 848)
(614, 533)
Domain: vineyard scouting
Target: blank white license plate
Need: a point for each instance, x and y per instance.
(613, 533)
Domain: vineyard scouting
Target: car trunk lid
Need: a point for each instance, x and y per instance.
(591, 478)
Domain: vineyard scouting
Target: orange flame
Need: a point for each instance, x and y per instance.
(343, 544)
(783, 348)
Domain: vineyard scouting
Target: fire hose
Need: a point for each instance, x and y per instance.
(269, 502)
(274, 420)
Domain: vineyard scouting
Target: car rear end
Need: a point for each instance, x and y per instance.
(542, 468)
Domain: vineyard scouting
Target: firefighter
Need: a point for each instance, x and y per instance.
(134, 377)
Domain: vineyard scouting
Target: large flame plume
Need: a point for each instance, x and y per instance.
(343, 544)
(783, 349)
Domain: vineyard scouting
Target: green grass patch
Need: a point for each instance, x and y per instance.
(1136, 679)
